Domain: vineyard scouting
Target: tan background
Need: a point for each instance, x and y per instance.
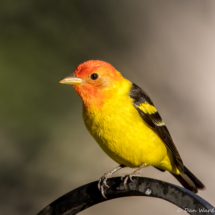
(166, 47)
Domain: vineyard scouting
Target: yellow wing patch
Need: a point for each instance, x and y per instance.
(147, 108)
(153, 114)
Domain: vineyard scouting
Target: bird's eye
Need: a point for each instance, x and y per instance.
(94, 76)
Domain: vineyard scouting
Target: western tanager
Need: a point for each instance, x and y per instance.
(126, 125)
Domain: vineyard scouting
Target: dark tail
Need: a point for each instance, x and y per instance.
(189, 181)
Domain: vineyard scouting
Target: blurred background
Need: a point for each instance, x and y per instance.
(166, 47)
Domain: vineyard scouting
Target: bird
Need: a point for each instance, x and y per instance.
(125, 123)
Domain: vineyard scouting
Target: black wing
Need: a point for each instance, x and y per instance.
(154, 120)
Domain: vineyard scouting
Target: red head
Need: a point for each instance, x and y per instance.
(94, 81)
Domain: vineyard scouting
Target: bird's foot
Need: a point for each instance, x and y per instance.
(125, 177)
(103, 182)
(137, 172)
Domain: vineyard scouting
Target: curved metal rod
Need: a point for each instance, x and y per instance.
(88, 195)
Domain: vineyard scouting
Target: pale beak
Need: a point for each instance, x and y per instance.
(71, 80)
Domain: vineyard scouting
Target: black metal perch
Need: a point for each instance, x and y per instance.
(88, 195)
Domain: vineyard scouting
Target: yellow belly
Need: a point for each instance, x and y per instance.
(124, 137)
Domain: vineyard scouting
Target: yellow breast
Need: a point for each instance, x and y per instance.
(122, 134)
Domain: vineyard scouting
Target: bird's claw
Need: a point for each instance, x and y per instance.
(103, 183)
(125, 178)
